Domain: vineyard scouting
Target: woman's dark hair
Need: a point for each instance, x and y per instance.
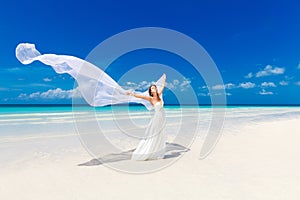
(150, 93)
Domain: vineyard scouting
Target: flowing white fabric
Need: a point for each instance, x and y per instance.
(96, 87)
(154, 145)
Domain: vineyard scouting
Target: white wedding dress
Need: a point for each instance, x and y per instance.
(153, 146)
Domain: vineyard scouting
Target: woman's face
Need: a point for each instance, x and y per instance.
(153, 89)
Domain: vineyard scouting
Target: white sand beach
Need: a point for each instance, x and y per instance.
(255, 160)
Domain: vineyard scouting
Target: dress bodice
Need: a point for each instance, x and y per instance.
(158, 105)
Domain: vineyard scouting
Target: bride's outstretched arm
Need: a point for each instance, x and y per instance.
(163, 85)
(139, 96)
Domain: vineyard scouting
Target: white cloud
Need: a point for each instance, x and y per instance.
(218, 94)
(173, 85)
(130, 83)
(57, 93)
(298, 67)
(202, 94)
(230, 85)
(283, 83)
(47, 79)
(221, 87)
(218, 87)
(249, 75)
(264, 92)
(175, 82)
(144, 85)
(184, 84)
(298, 83)
(268, 84)
(269, 70)
(247, 85)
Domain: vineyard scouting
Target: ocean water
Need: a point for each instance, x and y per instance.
(39, 121)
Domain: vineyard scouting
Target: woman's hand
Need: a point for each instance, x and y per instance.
(164, 78)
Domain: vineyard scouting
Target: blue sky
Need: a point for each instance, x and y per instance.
(255, 45)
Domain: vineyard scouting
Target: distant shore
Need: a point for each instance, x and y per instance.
(200, 105)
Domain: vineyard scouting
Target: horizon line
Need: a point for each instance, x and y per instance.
(78, 105)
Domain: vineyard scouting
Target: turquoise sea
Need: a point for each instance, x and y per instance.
(50, 119)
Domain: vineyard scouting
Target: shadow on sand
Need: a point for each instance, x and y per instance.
(172, 150)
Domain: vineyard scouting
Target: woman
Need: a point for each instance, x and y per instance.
(154, 144)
